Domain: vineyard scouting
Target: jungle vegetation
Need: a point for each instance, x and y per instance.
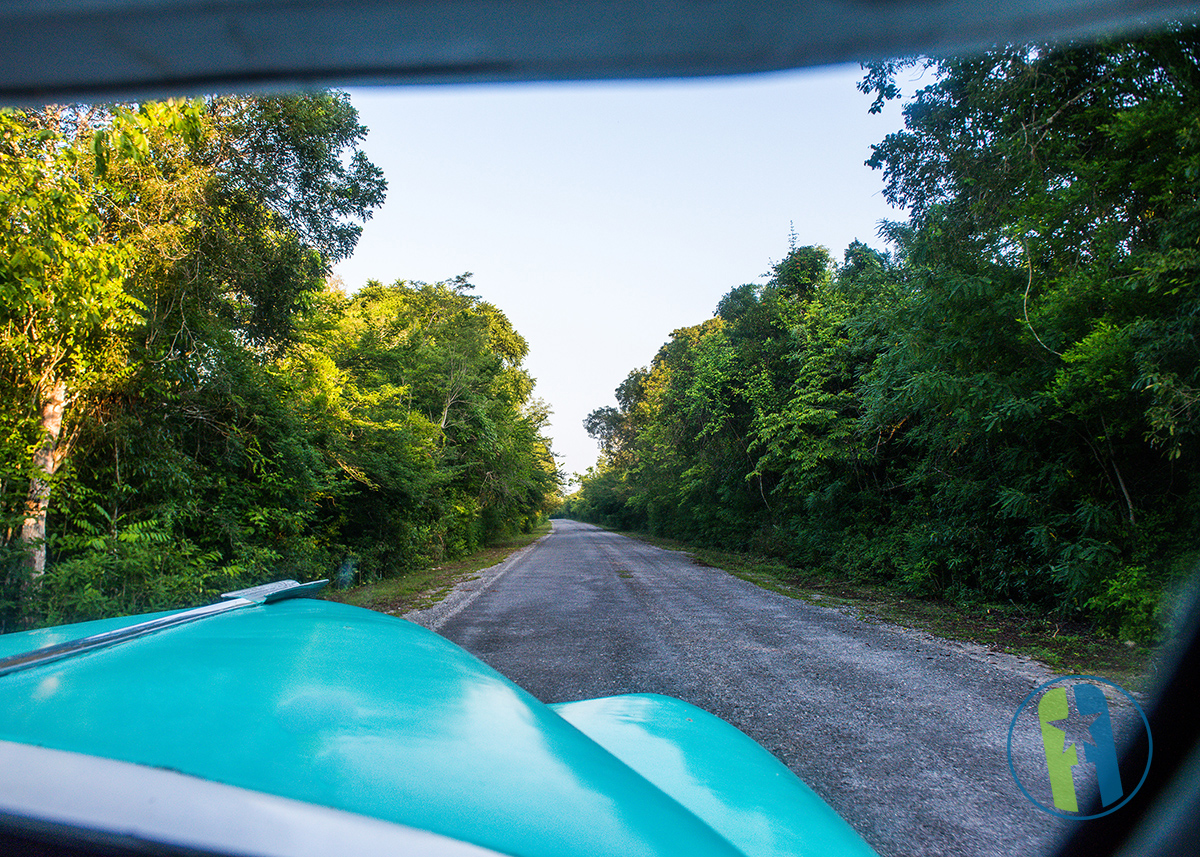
(1000, 405)
(189, 404)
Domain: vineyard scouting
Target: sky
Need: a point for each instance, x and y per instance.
(602, 216)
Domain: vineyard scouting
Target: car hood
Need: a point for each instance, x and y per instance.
(358, 711)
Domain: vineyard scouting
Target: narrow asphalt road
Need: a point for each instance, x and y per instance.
(903, 734)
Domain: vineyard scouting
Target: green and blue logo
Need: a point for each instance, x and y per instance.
(1078, 758)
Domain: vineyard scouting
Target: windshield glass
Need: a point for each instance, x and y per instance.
(914, 339)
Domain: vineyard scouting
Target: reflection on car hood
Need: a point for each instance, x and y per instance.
(353, 710)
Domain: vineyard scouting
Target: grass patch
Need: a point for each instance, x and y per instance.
(421, 589)
(1065, 647)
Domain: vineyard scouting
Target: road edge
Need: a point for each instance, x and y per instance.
(466, 591)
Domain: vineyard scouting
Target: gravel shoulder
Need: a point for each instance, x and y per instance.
(464, 593)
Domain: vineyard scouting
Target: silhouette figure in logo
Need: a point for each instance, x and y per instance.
(1062, 756)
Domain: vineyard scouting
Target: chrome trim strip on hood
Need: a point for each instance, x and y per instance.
(265, 594)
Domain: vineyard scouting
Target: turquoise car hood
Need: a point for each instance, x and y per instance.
(354, 710)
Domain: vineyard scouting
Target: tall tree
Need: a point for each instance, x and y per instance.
(422, 404)
(162, 244)
(64, 310)
(1054, 193)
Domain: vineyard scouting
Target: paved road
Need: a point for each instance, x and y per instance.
(903, 734)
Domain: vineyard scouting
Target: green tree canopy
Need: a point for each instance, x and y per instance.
(1005, 405)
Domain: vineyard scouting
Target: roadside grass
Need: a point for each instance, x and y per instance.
(422, 588)
(1065, 647)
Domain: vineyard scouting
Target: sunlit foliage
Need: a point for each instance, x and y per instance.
(188, 408)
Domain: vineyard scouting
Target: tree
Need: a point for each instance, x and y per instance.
(1053, 191)
(1002, 407)
(418, 395)
(157, 248)
(63, 311)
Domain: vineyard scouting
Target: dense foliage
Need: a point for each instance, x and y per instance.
(186, 406)
(1005, 405)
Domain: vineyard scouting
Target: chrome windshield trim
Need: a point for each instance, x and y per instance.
(265, 594)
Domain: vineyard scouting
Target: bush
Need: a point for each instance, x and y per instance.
(1130, 605)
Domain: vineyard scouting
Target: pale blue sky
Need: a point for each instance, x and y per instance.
(600, 217)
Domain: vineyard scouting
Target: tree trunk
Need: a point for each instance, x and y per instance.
(45, 461)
